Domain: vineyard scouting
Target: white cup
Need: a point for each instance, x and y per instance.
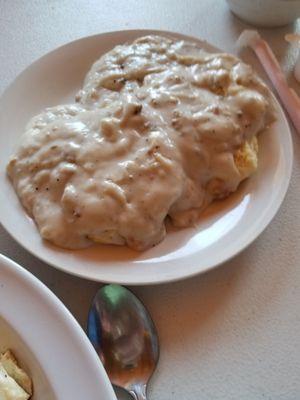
(266, 13)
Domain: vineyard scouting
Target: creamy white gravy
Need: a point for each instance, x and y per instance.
(161, 128)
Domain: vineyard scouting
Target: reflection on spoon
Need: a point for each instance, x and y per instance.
(123, 334)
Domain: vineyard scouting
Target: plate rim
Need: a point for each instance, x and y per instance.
(165, 279)
(33, 289)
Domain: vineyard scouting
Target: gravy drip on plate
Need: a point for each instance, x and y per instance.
(159, 129)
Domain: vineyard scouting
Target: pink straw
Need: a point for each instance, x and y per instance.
(270, 64)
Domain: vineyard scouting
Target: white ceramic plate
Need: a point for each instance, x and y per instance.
(49, 343)
(225, 229)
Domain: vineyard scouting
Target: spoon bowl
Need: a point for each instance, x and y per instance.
(124, 336)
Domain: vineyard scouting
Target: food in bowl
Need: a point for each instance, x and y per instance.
(15, 384)
(161, 128)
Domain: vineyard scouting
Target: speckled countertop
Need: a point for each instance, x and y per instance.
(230, 334)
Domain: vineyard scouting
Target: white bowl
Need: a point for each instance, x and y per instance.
(224, 229)
(266, 13)
(48, 342)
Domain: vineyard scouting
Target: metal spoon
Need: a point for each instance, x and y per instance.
(125, 338)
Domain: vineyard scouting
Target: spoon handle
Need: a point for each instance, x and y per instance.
(138, 392)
